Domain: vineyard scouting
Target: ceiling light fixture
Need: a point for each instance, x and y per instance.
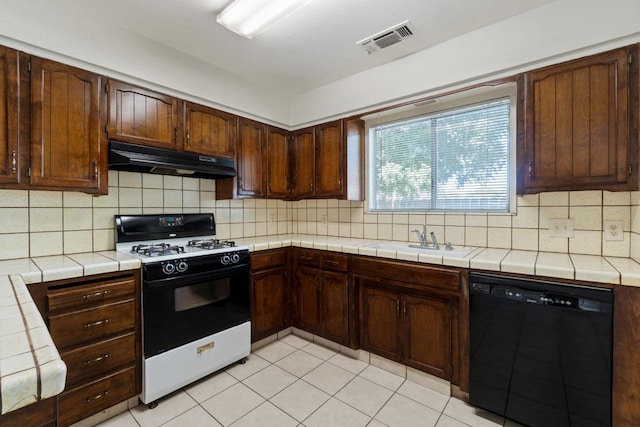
(250, 17)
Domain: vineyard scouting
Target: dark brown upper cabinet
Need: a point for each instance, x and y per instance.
(11, 167)
(209, 131)
(580, 124)
(251, 180)
(327, 161)
(141, 116)
(303, 163)
(67, 146)
(278, 163)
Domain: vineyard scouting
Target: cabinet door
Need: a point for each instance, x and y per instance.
(309, 316)
(277, 163)
(381, 318)
(427, 337)
(141, 116)
(335, 306)
(330, 159)
(303, 161)
(209, 131)
(251, 158)
(10, 171)
(577, 124)
(269, 306)
(66, 144)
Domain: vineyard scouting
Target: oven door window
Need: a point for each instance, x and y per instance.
(185, 311)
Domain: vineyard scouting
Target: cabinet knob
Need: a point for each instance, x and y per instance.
(13, 161)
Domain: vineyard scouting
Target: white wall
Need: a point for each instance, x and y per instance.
(76, 37)
(561, 30)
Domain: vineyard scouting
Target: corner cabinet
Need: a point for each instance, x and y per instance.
(412, 314)
(141, 116)
(581, 124)
(67, 146)
(270, 294)
(278, 163)
(251, 164)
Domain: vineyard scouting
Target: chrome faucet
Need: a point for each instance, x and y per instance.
(434, 240)
(422, 237)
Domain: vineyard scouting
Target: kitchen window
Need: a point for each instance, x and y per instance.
(455, 154)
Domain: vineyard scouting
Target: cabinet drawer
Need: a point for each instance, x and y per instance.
(268, 259)
(97, 359)
(90, 294)
(335, 261)
(85, 325)
(81, 402)
(309, 257)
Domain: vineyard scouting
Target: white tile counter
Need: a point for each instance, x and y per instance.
(30, 365)
(610, 270)
(31, 368)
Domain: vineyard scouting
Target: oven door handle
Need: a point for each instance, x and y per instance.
(187, 279)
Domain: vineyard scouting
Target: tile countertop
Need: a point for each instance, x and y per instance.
(592, 268)
(30, 365)
(31, 368)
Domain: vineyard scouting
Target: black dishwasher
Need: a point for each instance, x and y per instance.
(541, 351)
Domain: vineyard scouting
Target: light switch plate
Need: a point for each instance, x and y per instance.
(613, 230)
(561, 227)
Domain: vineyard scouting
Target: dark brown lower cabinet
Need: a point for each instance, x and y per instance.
(270, 294)
(95, 323)
(411, 329)
(39, 414)
(324, 295)
(415, 315)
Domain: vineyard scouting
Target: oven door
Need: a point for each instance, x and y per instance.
(182, 309)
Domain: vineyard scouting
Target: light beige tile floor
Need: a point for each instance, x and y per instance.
(295, 382)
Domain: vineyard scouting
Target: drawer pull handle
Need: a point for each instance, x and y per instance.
(98, 396)
(98, 323)
(332, 262)
(97, 359)
(13, 161)
(96, 294)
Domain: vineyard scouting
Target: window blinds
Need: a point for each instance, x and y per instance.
(451, 160)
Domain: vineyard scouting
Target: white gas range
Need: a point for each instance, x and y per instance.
(195, 298)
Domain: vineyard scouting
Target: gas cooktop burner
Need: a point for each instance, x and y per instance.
(157, 249)
(211, 244)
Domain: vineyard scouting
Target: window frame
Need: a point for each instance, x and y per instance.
(462, 99)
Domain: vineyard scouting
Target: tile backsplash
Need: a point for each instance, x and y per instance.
(40, 223)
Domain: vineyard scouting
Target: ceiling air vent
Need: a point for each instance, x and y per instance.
(388, 37)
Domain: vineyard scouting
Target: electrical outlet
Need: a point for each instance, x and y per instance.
(561, 227)
(613, 230)
(272, 218)
(323, 220)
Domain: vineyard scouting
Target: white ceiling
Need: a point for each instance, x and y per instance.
(311, 48)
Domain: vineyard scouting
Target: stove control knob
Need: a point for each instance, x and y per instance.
(235, 258)
(225, 259)
(182, 266)
(168, 268)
